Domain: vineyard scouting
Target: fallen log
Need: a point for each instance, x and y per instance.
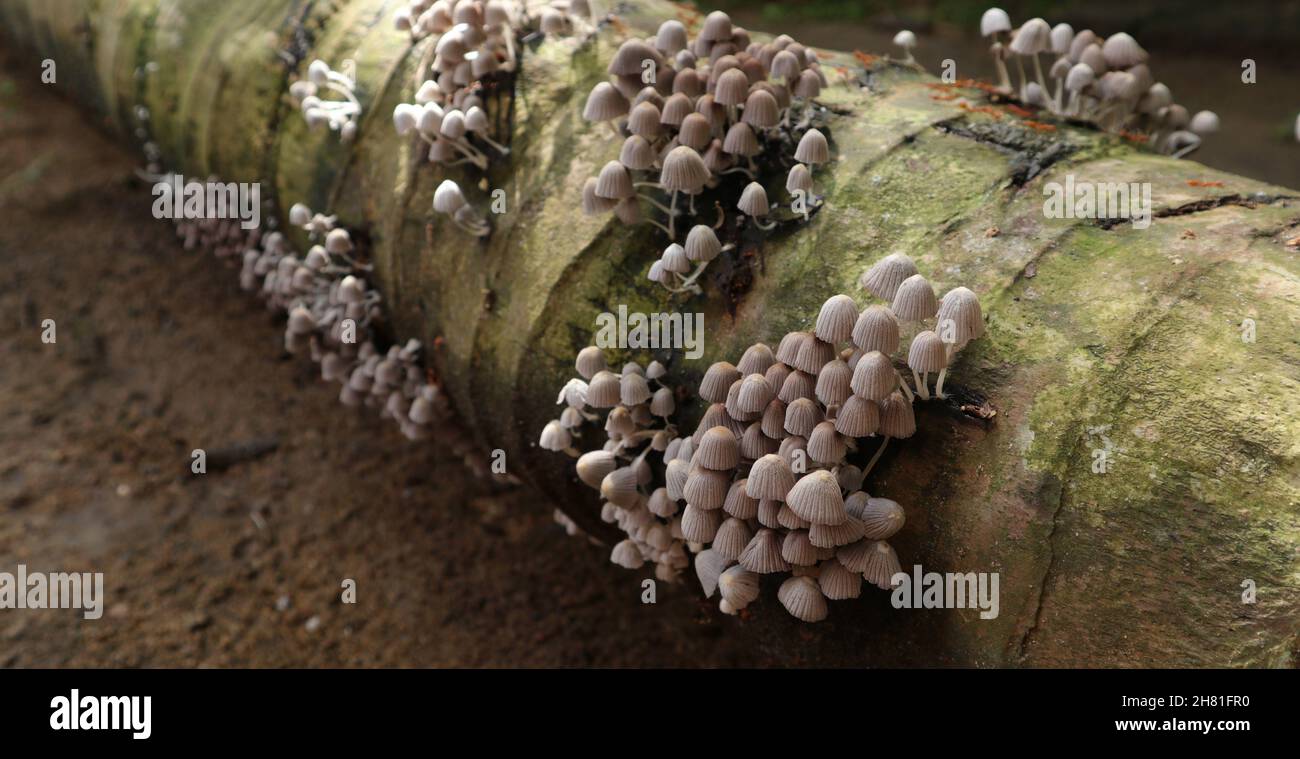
(1172, 349)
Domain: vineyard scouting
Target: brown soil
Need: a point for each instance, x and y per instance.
(159, 353)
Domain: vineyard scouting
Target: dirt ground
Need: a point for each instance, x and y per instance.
(158, 353)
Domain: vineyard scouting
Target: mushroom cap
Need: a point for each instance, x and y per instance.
(756, 359)
(636, 153)
(914, 300)
(732, 537)
(1122, 51)
(773, 419)
(687, 82)
(1205, 122)
(813, 148)
(706, 488)
(802, 597)
(1060, 68)
(858, 417)
(1157, 96)
(695, 131)
(874, 377)
(1079, 77)
(927, 352)
(881, 517)
(993, 21)
(1119, 85)
(755, 445)
(797, 385)
(896, 417)
(801, 416)
(738, 586)
(627, 60)
(797, 549)
(605, 103)
(785, 65)
(708, 567)
(683, 170)
(615, 182)
(763, 553)
(644, 120)
(604, 390)
(700, 525)
(754, 394)
(1081, 40)
(833, 383)
(740, 504)
(619, 487)
(816, 498)
(1033, 36)
(905, 39)
(448, 198)
(476, 120)
(886, 275)
(770, 479)
(881, 564)
(676, 108)
(718, 450)
(836, 318)
(717, 380)
(825, 446)
(589, 361)
(1060, 38)
(702, 244)
(826, 536)
(626, 554)
(799, 179)
(672, 37)
(717, 26)
(453, 125)
(808, 85)
(837, 583)
(741, 140)
(753, 200)
(761, 109)
(662, 403)
(633, 389)
(732, 87)
(959, 310)
(591, 202)
(676, 473)
(811, 354)
(674, 259)
(876, 329)
(1095, 59)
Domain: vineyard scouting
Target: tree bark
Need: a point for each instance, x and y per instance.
(1095, 331)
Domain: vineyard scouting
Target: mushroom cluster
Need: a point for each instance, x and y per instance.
(1106, 81)
(689, 112)
(475, 45)
(771, 480)
(312, 94)
(637, 406)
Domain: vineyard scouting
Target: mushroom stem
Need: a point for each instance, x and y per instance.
(766, 227)
(1020, 71)
(938, 385)
(692, 205)
(574, 452)
(656, 204)
(672, 214)
(871, 464)
(907, 391)
(502, 149)
(1038, 72)
(1004, 77)
(921, 388)
(738, 170)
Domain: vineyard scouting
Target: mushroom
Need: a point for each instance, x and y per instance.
(886, 275)
(1033, 37)
(753, 203)
(906, 40)
(605, 103)
(683, 171)
(926, 354)
(993, 23)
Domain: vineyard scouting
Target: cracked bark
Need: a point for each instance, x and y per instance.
(1137, 568)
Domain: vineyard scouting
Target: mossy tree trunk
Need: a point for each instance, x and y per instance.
(1096, 332)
